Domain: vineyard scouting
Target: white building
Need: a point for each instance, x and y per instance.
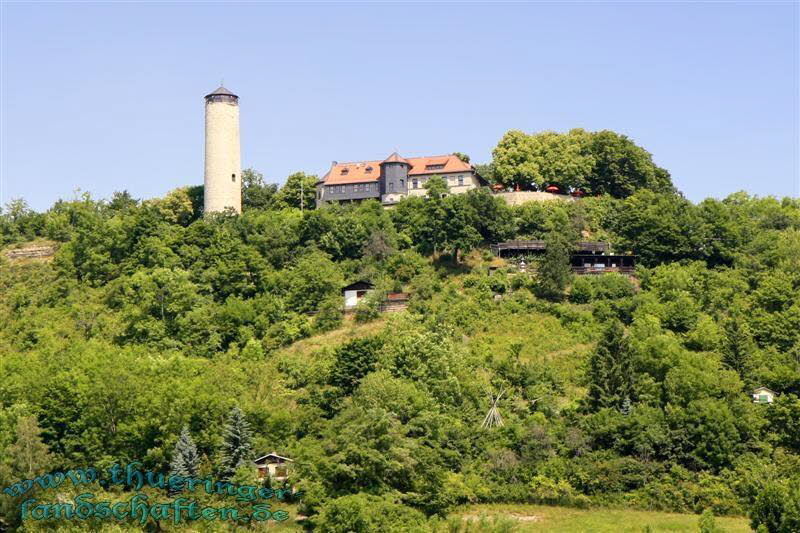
(763, 395)
(355, 292)
(274, 466)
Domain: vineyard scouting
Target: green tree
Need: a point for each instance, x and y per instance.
(237, 448)
(176, 207)
(738, 347)
(460, 221)
(660, 228)
(554, 272)
(353, 361)
(122, 202)
(620, 167)
(185, 460)
(777, 507)
(541, 159)
(313, 280)
(299, 191)
(25, 458)
(784, 417)
(28, 456)
(437, 187)
(255, 193)
(513, 161)
(611, 370)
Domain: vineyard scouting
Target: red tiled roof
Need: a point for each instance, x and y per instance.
(357, 172)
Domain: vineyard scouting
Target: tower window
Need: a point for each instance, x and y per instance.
(233, 178)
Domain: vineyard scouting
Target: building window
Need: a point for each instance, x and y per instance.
(233, 178)
(415, 184)
(402, 184)
(434, 167)
(461, 180)
(391, 187)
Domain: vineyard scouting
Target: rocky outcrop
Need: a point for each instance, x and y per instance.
(30, 252)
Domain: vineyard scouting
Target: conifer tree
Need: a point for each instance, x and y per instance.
(554, 272)
(611, 370)
(185, 460)
(738, 345)
(237, 446)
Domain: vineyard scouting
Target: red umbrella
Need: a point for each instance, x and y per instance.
(553, 188)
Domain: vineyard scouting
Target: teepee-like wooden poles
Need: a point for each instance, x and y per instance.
(493, 418)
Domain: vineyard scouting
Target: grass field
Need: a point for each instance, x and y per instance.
(567, 520)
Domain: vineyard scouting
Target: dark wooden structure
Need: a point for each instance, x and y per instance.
(395, 301)
(588, 257)
(524, 247)
(599, 264)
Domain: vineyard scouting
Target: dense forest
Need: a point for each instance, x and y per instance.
(194, 344)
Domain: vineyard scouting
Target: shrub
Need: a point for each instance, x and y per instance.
(777, 508)
(582, 291)
(707, 524)
(367, 513)
(329, 316)
(369, 308)
(551, 492)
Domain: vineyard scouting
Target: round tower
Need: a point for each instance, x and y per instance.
(223, 168)
(394, 178)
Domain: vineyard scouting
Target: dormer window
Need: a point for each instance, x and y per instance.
(368, 170)
(345, 171)
(437, 166)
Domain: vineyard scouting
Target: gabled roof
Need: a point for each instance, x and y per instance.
(221, 91)
(358, 285)
(420, 165)
(369, 171)
(272, 455)
(764, 389)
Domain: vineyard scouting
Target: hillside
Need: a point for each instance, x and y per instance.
(617, 393)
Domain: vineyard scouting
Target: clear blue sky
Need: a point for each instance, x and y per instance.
(106, 97)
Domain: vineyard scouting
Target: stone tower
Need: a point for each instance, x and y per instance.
(223, 169)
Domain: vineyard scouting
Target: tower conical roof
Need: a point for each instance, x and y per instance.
(395, 158)
(221, 91)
